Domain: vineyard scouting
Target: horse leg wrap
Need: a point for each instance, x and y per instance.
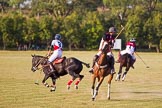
(124, 75)
(69, 83)
(46, 84)
(77, 82)
(118, 77)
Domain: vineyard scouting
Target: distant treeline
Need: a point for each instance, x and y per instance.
(31, 24)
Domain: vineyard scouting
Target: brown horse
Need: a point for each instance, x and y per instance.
(71, 66)
(101, 70)
(125, 61)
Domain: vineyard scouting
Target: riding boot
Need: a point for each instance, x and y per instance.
(112, 62)
(52, 70)
(94, 60)
(51, 67)
(118, 60)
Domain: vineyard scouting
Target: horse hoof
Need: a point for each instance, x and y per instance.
(93, 99)
(76, 86)
(68, 87)
(123, 79)
(117, 80)
(53, 89)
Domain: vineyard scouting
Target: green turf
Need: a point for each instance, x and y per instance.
(142, 87)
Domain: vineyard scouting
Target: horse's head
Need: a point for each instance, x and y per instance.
(102, 60)
(105, 48)
(36, 61)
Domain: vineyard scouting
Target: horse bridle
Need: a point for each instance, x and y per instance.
(36, 66)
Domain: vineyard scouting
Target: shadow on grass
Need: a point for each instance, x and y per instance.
(140, 92)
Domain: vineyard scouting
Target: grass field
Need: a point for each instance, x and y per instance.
(142, 87)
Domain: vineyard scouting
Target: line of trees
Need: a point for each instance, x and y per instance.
(81, 23)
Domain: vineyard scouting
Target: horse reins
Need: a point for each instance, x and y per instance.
(39, 63)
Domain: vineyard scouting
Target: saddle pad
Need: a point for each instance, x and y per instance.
(58, 60)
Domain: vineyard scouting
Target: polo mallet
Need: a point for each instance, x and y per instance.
(119, 32)
(142, 61)
(120, 15)
(121, 19)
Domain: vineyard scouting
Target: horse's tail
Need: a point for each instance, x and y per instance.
(86, 64)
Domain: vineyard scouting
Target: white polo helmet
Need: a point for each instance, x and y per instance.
(112, 29)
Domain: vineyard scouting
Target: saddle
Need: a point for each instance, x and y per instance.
(59, 60)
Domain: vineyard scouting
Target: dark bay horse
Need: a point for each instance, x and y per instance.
(101, 70)
(125, 61)
(71, 66)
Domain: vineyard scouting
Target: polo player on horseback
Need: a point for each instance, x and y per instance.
(56, 46)
(130, 49)
(109, 38)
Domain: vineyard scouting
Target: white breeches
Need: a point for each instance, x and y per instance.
(129, 52)
(56, 54)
